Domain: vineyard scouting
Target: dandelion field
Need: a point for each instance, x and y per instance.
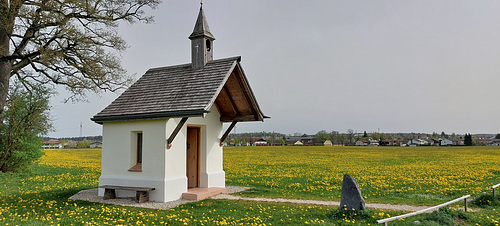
(39, 194)
(421, 175)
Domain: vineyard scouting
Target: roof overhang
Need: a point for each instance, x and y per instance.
(149, 116)
(236, 101)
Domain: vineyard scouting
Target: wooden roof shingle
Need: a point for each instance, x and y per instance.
(179, 91)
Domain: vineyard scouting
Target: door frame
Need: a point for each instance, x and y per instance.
(197, 153)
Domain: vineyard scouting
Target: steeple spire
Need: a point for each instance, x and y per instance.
(201, 27)
(201, 42)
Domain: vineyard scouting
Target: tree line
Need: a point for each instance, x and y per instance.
(350, 137)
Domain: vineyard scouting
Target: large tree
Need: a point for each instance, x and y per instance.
(73, 43)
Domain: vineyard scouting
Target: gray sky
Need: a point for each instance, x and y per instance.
(394, 66)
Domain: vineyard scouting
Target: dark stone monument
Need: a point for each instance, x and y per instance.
(351, 197)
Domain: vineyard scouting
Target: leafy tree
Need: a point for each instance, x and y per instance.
(322, 136)
(378, 136)
(236, 141)
(335, 137)
(66, 42)
(25, 120)
(247, 139)
(497, 136)
(365, 134)
(350, 137)
(272, 138)
(71, 144)
(468, 140)
(476, 142)
(342, 139)
(84, 143)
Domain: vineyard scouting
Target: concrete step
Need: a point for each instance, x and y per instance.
(202, 193)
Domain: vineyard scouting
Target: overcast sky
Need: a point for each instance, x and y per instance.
(388, 66)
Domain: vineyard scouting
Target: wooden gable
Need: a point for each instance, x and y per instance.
(235, 101)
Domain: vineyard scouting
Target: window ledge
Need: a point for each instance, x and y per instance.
(136, 168)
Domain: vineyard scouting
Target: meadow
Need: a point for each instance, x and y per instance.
(423, 175)
(400, 175)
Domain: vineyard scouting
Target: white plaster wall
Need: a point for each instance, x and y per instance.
(162, 168)
(119, 155)
(176, 180)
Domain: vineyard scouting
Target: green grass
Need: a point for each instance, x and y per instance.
(22, 203)
(39, 195)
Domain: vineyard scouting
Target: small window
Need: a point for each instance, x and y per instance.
(139, 148)
(209, 45)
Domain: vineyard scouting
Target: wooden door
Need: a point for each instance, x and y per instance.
(192, 156)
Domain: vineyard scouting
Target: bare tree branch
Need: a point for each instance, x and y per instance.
(66, 42)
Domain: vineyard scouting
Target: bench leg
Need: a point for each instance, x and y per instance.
(142, 196)
(109, 194)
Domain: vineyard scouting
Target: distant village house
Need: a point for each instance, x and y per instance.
(52, 144)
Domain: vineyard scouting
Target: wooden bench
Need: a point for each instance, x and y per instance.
(141, 195)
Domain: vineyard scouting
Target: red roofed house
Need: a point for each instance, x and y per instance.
(51, 144)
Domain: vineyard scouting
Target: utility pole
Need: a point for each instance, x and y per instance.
(80, 129)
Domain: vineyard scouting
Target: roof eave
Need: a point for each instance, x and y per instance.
(149, 116)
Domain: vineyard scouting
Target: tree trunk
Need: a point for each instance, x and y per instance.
(6, 28)
(5, 69)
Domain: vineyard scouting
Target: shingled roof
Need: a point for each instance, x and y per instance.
(181, 91)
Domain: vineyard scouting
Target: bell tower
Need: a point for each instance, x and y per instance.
(201, 42)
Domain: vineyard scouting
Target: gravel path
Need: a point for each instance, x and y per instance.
(91, 196)
(320, 202)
